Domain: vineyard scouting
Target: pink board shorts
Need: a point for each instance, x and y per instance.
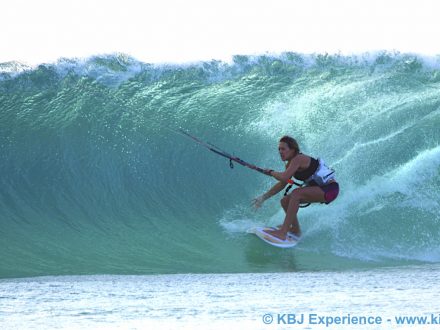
(331, 191)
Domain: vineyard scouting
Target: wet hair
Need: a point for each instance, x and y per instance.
(291, 142)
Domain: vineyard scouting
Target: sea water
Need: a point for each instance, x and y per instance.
(386, 298)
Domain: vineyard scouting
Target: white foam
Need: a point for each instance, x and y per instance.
(405, 179)
(238, 225)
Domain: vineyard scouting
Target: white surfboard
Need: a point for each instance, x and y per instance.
(290, 241)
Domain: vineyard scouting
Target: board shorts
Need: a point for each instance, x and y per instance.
(331, 191)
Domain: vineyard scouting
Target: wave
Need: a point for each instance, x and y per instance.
(93, 181)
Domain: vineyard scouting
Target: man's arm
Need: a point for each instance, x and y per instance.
(288, 173)
(257, 202)
(275, 189)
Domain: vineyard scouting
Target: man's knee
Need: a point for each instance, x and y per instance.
(285, 201)
(295, 195)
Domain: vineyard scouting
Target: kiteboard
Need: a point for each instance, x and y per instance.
(290, 241)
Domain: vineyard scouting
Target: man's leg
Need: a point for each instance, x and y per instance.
(300, 195)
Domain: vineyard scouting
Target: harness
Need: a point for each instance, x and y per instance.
(321, 177)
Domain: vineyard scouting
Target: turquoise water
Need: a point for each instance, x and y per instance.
(224, 301)
(93, 182)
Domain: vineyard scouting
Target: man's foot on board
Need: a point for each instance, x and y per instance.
(298, 234)
(276, 233)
